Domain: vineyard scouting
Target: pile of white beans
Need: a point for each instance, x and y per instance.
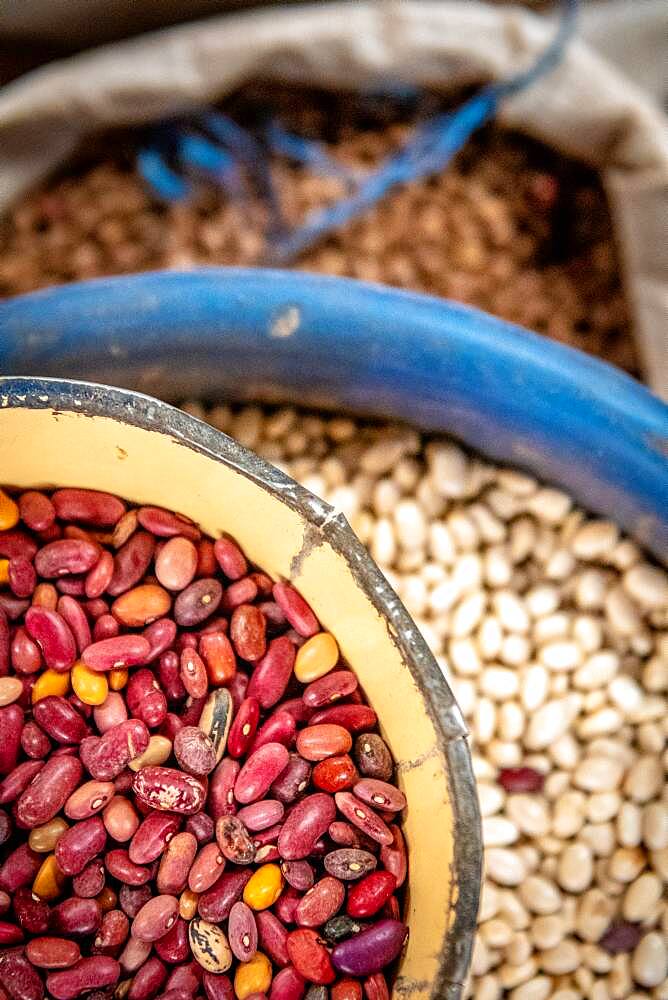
(552, 629)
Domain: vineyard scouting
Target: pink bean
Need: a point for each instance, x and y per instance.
(149, 980)
(160, 635)
(287, 985)
(242, 932)
(134, 954)
(230, 558)
(88, 506)
(120, 819)
(36, 510)
(273, 937)
(112, 712)
(176, 863)
(120, 866)
(49, 791)
(206, 869)
(16, 543)
(155, 918)
(261, 815)
(22, 576)
(66, 556)
(100, 576)
(242, 592)
(273, 672)
(26, 655)
(295, 609)
(260, 771)
(117, 652)
(105, 627)
(193, 673)
(54, 637)
(165, 524)
(176, 563)
(77, 916)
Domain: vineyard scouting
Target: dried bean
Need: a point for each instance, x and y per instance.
(306, 823)
(53, 636)
(113, 932)
(215, 720)
(197, 602)
(219, 657)
(52, 952)
(317, 742)
(18, 780)
(49, 791)
(349, 863)
(80, 844)
(131, 562)
(145, 699)
(206, 868)
(260, 771)
(19, 978)
(209, 945)
(173, 947)
(309, 957)
(87, 974)
(176, 863)
(106, 756)
(59, 720)
(155, 918)
(167, 789)
(117, 652)
(234, 841)
(89, 882)
(194, 751)
(149, 980)
(120, 819)
(321, 902)
(32, 913)
(335, 774)
(373, 757)
(77, 916)
(89, 506)
(120, 866)
(152, 837)
(371, 950)
(293, 780)
(216, 903)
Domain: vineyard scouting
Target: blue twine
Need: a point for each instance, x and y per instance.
(430, 149)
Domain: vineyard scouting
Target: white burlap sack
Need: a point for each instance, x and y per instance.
(586, 108)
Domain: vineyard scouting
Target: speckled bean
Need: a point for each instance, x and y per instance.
(216, 718)
(167, 789)
(107, 755)
(349, 863)
(194, 751)
(19, 979)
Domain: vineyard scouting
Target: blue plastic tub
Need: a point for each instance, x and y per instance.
(342, 344)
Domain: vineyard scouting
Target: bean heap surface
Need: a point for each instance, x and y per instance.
(194, 798)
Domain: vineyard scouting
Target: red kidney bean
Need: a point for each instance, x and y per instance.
(75, 616)
(18, 780)
(206, 868)
(52, 952)
(59, 720)
(332, 687)
(149, 980)
(66, 556)
(167, 789)
(244, 726)
(261, 815)
(238, 688)
(242, 932)
(192, 711)
(260, 771)
(11, 608)
(295, 609)
(5, 643)
(193, 673)
(346, 989)
(120, 866)
(79, 845)
(94, 507)
(230, 558)
(10, 934)
(131, 898)
(170, 676)
(26, 655)
(173, 947)
(299, 874)
(279, 728)
(218, 987)
(36, 510)
(155, 918)
(242, 592)
(113, 933)
(90, 881)
(112, 712)
(185, 978)
(165, 524)
(371, 950)
(363, 817)
(393, 857)
(53, 636)
(321, 741)
(321, 902)
(194, 751)
(87, 974)
(354, 718)
(215, 904)
(368, 897)
(160, 635)
(521, 779)
(145, 699)
(349, 863)
(306, 823)
(198, 602)
(22, 576)
(248, 632)
(116, 652)
(287, 985)
(107, 755)
(273, 937)
(19, 979)
(234, 841)
(293, 780)
(152, 837)
(106, 627)
(176, 563)
(373, 757)
(201, 826)
(77, 916)
(49, 791)
(100, 576)
(31, 912)
(219, 656)
(375, 987)
(19, 868)
(74, 586)
(273, 672)
(134, 954)
(310, 957)
(335, 774)
(380, 794)
(17, 543)
(131, 562)
(176, 863)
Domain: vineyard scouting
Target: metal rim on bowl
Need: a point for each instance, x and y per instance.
(128, 407)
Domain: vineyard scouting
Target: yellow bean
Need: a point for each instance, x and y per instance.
(316, 657)
(253, 977)
(264, 887)
(118, 678)
(4, 571)
(43, 838)
(51, 682)
(9, 512)
(89, 685)
(49, 880)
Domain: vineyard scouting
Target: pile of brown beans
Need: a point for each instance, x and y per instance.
(510, 226)
(195, 801)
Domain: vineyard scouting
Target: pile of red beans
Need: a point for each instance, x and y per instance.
(194, 800)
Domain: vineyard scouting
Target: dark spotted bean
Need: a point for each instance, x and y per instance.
(349, 863)
(372, 757)
(194, 751)
(234, 841)
(197, 602)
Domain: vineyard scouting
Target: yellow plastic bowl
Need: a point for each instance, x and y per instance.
(63, 433)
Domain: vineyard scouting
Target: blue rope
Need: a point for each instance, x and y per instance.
(428, 152)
